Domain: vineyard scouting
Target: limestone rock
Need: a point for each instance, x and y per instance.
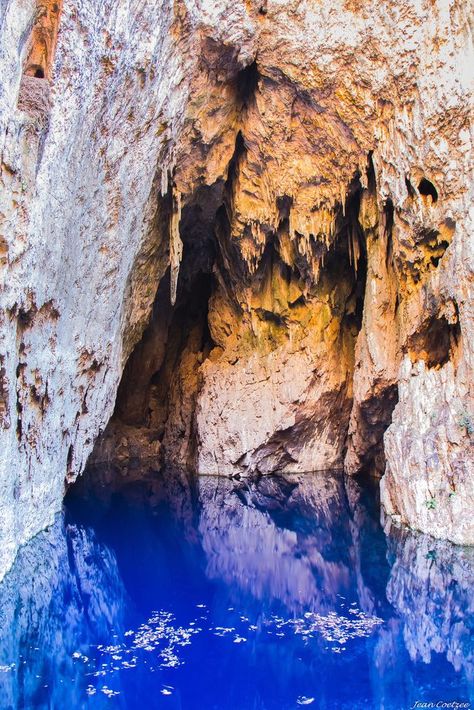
(429, 479)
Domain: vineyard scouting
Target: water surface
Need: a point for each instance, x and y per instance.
(280, 593)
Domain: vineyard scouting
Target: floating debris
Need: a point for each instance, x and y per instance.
(160, 633)
(130, 664)
(223, 630)
(5, 669)
(160, 638)
(109, 692)
(333, 627)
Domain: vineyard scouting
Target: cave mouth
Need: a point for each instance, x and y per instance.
(155, 401)
(158, 399)
(427, 189)
(35, 71)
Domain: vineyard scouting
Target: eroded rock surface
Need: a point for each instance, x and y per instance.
(281, 193)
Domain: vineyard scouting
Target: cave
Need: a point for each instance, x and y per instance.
(426, 188)
(42, 41)
(154, 417)
(150, 419)
(236, 404)
(247, 83)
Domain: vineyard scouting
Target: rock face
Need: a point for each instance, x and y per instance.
(258, 213)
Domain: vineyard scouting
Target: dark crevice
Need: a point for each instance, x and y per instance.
(436, 341)
(300, 301)
(410, 189)
(374, 417)
(239, 151)
(284, 204)
(19, 425)
(270, 316)
(247, 83)
(19, 406)
(352, 242)
(69, 463)
(371, 177)
(389, 212)
(374, 414)
(426, 188)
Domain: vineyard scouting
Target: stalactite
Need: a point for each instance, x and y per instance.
(355, 247)
(164, 181)
(176, 245)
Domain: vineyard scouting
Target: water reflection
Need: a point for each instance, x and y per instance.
(63, 593)
(212, 593)
(285, 539)
(431, 587)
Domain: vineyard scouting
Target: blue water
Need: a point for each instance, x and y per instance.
(281, 593)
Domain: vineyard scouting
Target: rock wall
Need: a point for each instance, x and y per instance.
(80, 235)
(282, 192)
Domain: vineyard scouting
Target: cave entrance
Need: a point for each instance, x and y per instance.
(156, 407)
(153, 418)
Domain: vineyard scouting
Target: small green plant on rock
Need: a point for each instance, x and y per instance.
(431, 503)
(466, 421)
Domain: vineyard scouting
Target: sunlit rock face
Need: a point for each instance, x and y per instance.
(280, 192)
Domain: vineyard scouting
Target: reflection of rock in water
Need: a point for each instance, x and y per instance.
(431, 587)
(285, 538)
(63, 592)
(369, 549)
(140, 484)
(428, 584)
(299, 567)
(305, 541)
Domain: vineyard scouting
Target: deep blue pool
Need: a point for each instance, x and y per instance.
(223, 594)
